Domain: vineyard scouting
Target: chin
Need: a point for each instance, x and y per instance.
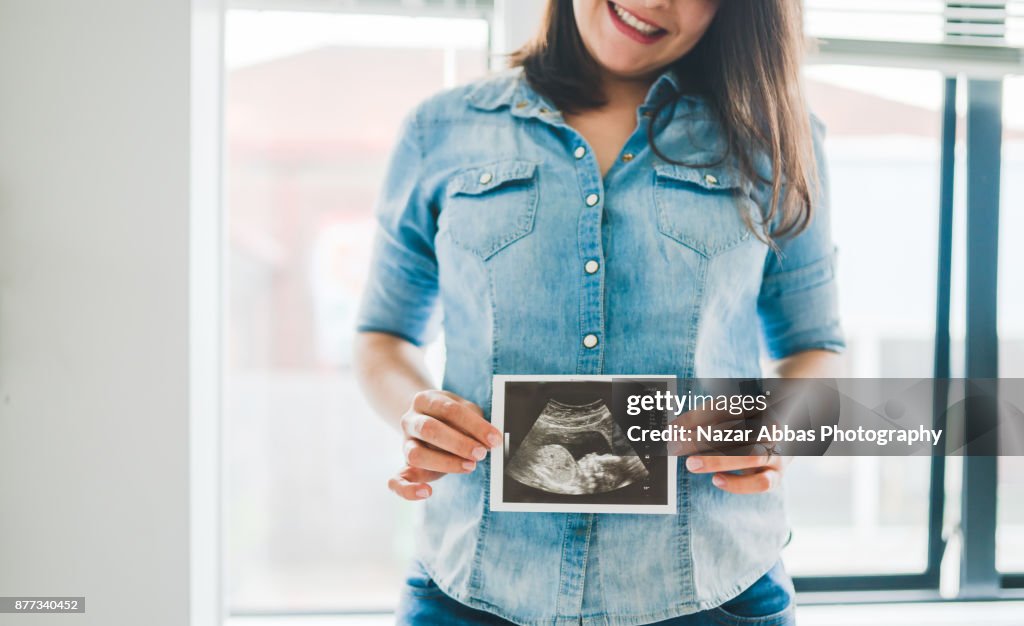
(627, 68)
(626, 61)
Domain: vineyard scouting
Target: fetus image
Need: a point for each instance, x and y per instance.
(575, 449)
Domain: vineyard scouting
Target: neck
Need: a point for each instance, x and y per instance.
(625, 92)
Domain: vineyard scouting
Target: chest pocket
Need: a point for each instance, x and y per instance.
(702, 208)
(489, 207)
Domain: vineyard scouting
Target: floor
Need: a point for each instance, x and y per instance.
(916, 614)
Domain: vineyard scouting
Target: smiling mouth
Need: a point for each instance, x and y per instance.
(634, 27)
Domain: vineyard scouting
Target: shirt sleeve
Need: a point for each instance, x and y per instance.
(798, 303)
(401, 290)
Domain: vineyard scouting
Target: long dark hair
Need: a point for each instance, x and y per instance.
(747, 66)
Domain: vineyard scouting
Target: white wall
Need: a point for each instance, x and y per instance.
(94, 307)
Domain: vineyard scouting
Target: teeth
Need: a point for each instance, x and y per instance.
(629, 18)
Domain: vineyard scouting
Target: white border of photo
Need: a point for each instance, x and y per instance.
(497, 501)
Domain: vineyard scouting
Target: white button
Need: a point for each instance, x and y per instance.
(592, 266)
(486, 178)
(592, 199)
(580, 152)
(711, 180)
(590, 341)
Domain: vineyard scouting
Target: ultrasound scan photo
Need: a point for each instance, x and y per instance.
(576, 449)
(566, 447)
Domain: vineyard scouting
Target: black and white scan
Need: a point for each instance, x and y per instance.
(576, 449)
(566, 447)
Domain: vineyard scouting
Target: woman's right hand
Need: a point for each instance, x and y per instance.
(444, 434)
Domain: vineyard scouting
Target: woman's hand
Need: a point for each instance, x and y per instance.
(756, 473)
(444, 434)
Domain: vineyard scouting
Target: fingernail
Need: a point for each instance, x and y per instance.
(422, 493)
(479, 453)
(469, 465)
(693, 464)
(717, 481)
(494, 440)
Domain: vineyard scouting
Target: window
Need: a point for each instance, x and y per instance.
(1010, 521)
(313, 102)
(314, 96)
(883, 142)
(973, 44)
(982, 22)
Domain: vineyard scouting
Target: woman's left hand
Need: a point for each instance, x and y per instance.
(756, 474)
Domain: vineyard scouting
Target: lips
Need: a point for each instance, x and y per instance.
(633, 26)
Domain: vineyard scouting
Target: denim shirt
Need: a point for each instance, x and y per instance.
(495, 212)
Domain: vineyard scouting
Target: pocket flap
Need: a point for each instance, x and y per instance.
(478, 180)
(718, 177)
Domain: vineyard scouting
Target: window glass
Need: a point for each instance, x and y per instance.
(870, 514)
(1010, 521)
(313, 103)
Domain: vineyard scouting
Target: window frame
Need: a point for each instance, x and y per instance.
(979, 578)
(977, 70)
(980, 72)
(925, 584)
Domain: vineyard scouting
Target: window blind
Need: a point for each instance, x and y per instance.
(982, 37)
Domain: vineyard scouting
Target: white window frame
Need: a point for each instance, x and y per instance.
(207, 606)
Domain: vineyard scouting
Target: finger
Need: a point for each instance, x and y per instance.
(755, 482)
(458, 413)
(711, 464)
(419, 475)
(715, 418)
(419, 454)
(442, 436)
(411, 483)
(714, 432)
(712, 448)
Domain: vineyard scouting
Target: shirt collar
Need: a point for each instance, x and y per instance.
(667, 82)
(496, 91)
(511, 89)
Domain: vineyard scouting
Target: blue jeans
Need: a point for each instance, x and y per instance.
(768, 602)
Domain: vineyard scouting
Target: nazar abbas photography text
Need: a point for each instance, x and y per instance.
(738, 405)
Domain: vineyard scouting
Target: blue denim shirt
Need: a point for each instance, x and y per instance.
(492, 212)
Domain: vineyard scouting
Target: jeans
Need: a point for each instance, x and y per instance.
(768, 602)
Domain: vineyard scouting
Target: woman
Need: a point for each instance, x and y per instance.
(640, 195)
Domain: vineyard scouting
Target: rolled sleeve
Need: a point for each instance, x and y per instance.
(798, 304)
(400, 297)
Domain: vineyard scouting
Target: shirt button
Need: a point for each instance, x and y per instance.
(580, 152)
(485, 178)
(592, 199)
(626, 158)
(590, 341)
(591, 266)
(711, 180)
